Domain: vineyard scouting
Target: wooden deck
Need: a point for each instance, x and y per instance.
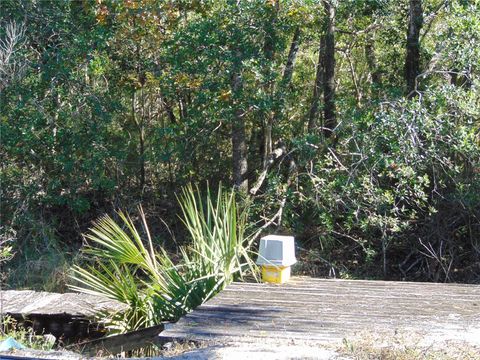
(325, 311)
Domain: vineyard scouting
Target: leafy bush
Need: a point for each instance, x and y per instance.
(149, 281)
(405, 182)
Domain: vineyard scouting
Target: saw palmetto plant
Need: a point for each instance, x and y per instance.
(129, 268)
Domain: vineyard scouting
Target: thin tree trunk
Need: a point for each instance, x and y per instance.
(182, 108)
(142, 158)
(353, 74)
(287, 76)
(169, 110)
(267, 138)
(329, 71)
(141, 140)
(317, 87)
(239, 143)
(375, 74)
(269, 52)
(292, 56)
(412, 61)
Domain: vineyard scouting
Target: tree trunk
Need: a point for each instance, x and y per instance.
(142, 158)
(292, 56)
(329, 71)
(412, 61)
(269, 52)
(141, 140)
(182, 108)
(287, 76)
(375, 74)
(169, 110)
(317, 87)
(239, 143)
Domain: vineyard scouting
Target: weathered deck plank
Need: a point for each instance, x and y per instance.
(32, 303)
(323, 310)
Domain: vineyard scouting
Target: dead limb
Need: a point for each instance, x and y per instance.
(276, 219)
(274, 156)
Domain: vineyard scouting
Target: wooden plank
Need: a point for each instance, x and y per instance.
(358, 282)
(326, 315)
(391, 308)
(370, 292)
(364, 284)
(31, 303)
(329, 310)
(353, 297)
(422, 288)
(280, 317)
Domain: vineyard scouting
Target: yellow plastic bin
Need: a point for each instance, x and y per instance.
(276, 256)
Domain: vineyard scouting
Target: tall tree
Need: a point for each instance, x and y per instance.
(412, 61)
(269, 53)
(317, 87)
(329, 70)
(239, 141)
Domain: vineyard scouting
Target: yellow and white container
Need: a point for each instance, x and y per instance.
(276, 256)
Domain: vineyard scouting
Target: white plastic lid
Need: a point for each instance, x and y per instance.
(277, 250)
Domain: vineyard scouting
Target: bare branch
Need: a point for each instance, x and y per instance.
(274, 155)
(11, 68)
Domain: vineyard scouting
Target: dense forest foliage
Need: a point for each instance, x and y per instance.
(354, 125)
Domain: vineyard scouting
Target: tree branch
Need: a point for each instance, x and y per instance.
(274, 155)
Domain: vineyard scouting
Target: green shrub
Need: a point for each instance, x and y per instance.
(401, 191)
